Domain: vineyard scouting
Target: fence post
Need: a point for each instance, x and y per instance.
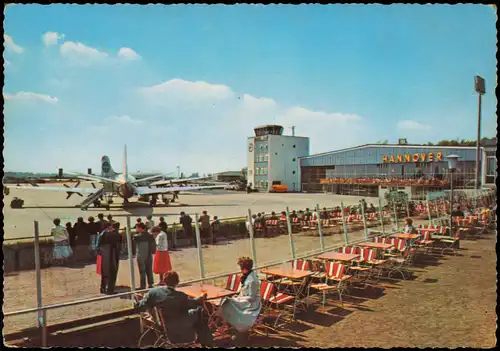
(408, 207)
(381, 214)
(364, 219)
(252, 239)
(289, 226)
(130, 257)
(344, 225)
(428, 208)
(174, 235)
(395, 214)
(320, 230)
(198, 246)
(41, 321)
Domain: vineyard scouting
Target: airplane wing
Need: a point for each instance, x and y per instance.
(56, 188)
(95, 178)
(183, 180)
(148, 178)
(151, 191)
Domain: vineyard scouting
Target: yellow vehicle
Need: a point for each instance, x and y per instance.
(277, 187)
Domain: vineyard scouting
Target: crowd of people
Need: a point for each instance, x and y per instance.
(101, 240)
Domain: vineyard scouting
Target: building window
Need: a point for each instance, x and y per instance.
(293, 172)
(276, 153)
(294, 146)
(293, 160)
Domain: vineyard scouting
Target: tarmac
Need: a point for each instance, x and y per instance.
(45, 206)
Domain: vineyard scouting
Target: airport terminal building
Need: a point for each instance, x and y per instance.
(368, 170)
(274, 158)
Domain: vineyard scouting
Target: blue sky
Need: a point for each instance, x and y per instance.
(186, 84)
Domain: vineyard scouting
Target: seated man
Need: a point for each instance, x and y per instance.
(183, 315)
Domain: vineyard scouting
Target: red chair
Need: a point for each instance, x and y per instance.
(271, 296)
(233, 282)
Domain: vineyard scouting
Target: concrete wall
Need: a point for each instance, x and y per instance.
(284, 153)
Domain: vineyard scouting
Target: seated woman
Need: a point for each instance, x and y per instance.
(242, 311)
(409, 228)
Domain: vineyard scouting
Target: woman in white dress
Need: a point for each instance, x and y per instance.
(242, 311)
(62, 249)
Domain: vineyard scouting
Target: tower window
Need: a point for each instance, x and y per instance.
(275, 153)
(294, 146)
(293, 172)
(293, 160)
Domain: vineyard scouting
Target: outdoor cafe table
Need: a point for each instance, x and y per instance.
(427, 230)
(213, 293)
(292, 274)
(337, 256)
(405, 236)
(373, 245)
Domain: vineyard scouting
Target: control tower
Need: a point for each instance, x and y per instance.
(274, 157)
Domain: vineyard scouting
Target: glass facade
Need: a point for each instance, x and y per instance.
(366, 166)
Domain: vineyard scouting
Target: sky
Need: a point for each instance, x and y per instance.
(186, 84)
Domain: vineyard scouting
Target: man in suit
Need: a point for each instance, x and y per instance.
(109, 248)
(184, 316)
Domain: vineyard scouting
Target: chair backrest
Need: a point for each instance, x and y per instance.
(367, 254)
(295, 219)
(387, 240)
(426, 235)
(268, 222)
(399, 244)
(334, 270)
(267, 289)
(302, 265)
(233, 282)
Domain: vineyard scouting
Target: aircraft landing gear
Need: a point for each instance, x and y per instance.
(153, 201)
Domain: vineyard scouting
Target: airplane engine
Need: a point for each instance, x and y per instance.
(125, 191)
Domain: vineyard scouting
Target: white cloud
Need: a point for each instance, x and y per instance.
(124, 119)
(211, 111)
(29, 96)
(51, 38)
(6, 63)
(178, 91)
(11, 46)
(412, 125)
(128, 54)
(81, 53)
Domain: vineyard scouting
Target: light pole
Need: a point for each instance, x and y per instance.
(452, 166)
(480, 87)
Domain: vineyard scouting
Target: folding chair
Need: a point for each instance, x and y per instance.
(335, 273)
(270, 296)
(233, 282)
(401, 263)
(153, 323)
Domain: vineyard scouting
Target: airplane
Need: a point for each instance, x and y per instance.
(122, 184)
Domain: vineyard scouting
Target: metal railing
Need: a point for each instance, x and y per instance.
(41, 309)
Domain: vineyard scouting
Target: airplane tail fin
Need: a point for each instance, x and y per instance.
(125, 170)
(106, 169)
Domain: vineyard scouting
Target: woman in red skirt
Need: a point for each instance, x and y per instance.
(162, 263)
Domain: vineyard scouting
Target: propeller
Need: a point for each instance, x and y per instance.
(71, 193)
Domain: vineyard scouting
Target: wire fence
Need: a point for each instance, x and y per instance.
(72, 292)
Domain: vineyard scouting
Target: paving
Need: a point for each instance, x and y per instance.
(63, 284)
(44, 206)
(449, 303)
